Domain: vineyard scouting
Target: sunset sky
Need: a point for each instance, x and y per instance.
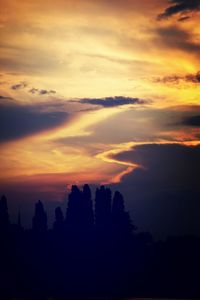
(99, 92)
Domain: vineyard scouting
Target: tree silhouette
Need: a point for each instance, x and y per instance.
(103, 208)
(121, 222)
(74, 217)
(79, 216)
(87, 212)
(59, 219)
(40, 218)
(93, 259)
(4, 216)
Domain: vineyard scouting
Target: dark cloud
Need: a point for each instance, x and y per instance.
(164, 194)
(176, 79)
(4, 98)
(44, 92)
(192, 121)
(41, 91)
(177, 38)
(17, 121)
(33, 91)
(180, 6)
(170, 79)
(195, 78)
(19, 86)
(182, 19)
(112, 101)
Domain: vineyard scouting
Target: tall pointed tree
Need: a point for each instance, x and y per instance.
(88, 214)
(121, 222)
(59, 219)
(79, 216)
(103, 208)
(74, 209)
(40, 218)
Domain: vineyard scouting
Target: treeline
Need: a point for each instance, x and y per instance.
(92, 250)
(82, 216)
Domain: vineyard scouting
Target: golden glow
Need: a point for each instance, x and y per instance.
(79, 127)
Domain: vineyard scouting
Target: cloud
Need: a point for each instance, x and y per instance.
(41, 91)
(19, 86)
(195, 78)
(180, 6)
(33, 91)
(163, 196)
(17, 121)
(176, 79)
(184, 18)
(170, 79)
(112, 101)
(177, 38)
(4, 98)
(142, 124)
(192, 121)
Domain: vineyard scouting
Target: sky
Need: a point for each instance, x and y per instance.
(103, 92)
